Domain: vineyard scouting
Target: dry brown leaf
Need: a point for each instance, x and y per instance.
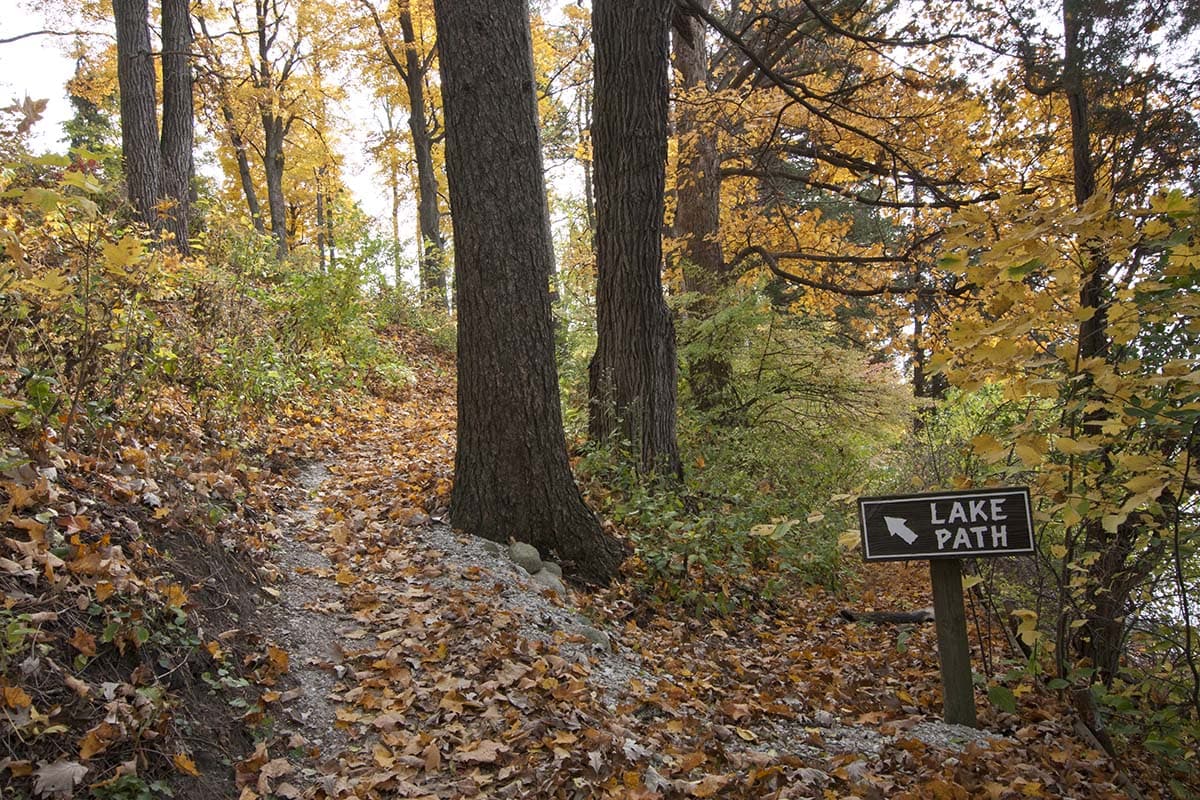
(84, 642)
(183, 762)
(482, 752)
(58, 780)
(432, 757)
(16, 697)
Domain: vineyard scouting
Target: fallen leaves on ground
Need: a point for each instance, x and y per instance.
(439, 689)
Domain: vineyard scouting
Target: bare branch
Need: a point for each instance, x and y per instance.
(771, 259)
(48, 32)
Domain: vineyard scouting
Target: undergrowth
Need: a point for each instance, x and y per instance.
(136, 391)
(773, 453)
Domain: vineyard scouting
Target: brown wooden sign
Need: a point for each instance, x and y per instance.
(967, 524)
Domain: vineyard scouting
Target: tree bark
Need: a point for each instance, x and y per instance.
(432, 250)
(236, 141)
(274, 128)
(139, 109)
(632, 377)
(511, 474)
(178, 123)
(273, 164)
(243, 163)
(1112, 578)
(698, 167)
(320, 226)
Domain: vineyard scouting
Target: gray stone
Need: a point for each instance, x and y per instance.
(552, 568)
(550, 581)
(493, 547)
(525, 555)
(597, 637)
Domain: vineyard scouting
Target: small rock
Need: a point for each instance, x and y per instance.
(552, 568)
(493, 547)
(526, 556)
(597, 637)
(550, 581)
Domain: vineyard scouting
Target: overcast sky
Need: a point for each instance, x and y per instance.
(37, 66)
(40, 67)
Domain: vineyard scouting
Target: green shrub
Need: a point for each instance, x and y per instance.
(798, 422)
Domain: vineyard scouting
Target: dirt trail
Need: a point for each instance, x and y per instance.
(426, 664)
(307, 625)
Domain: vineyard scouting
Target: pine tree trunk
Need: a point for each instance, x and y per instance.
(512, 477)
(139, 108)
(632, 377)
(178, 118)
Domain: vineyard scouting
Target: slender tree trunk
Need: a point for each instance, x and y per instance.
(589, 196)
(320, 228)
(273, 164)
(432, 247)
(329, 228)
(274, 130)
(393, 177)
(139, 109)
(511, 474)
(236, 141)
(178, 124)
(632, 380)
(1101, 638)
(431, 256)
(698, 168)
(243, 164)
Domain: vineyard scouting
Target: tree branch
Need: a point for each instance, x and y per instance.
(772, 261)
(48, 32)
(801, 95)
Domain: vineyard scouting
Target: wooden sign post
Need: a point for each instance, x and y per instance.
(945, 527)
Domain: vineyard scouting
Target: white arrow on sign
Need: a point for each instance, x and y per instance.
(898, 526)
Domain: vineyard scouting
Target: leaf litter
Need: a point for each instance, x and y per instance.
(463, 678)
(391, 656)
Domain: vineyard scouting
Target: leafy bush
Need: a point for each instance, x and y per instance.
(769, 466)
(93, 316)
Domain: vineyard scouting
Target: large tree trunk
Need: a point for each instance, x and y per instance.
(178, 124)
(511, 474)
(632, 387)
(698, 167)
(139, 108)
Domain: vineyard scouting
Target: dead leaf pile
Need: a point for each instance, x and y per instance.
(126, 571)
